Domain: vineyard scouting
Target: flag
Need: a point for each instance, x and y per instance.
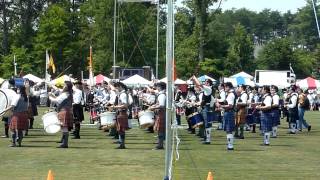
(91, 83)
(51, 66)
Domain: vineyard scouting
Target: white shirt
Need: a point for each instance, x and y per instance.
(162, 99)
(122, 98)
(275, 99)
(60, 98)
(150, 98)
(293, 100)
(113, 96)
(230, 98)
(222, 95)
(267, 100)
(243, 97)
(207, 90)
(77, 96)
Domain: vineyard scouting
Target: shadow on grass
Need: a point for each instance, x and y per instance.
(35, 146)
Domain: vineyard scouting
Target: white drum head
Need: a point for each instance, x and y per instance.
(53, 128)
(3, 102)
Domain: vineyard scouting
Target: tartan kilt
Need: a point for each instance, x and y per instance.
(78, 113)
(266, 121)
(19, 120)
(160, 120)
(275, 117)
(293, 115)
(229, 121)
(241, 116)
(65, 117)
(251, 117)
(122, 121)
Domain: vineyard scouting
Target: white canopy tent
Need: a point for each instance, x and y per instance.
(242, 74)
(33, 78)
(136, 80)
(176, 82)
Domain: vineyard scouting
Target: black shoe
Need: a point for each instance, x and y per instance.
(291, 132)
(63, 146)
(264, 144)
(31, 127)
(230, 149)
(13, 145)
(121, 147)
(309, 128)
(241, 137)
(206, 142)
(158, 148)
(274, 137)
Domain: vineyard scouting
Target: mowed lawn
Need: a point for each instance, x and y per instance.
(94, 157)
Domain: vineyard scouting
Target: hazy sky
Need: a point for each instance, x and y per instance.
(258, 5)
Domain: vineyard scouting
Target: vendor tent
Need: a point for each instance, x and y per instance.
(176, 82)
(242, 74)
(309, 83)
(136, 80)
(33, 78)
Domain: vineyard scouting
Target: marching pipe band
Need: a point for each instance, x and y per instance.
(112, 106)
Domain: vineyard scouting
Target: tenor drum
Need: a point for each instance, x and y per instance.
(6, 99)
(146, 119)
(196, 119)
(108, 119)
(51, 123)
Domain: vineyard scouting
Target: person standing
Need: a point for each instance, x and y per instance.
(19, 119)
(293, 110)
(77, 106)
(64, 109)
(121, 106)
(275, 110)
(229, 114)
(160, 114)
(241, 105)
(303, 105)
(265, 116)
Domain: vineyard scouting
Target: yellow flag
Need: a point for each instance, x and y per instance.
(51, 64)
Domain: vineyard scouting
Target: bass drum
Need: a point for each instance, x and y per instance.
(146, 119)
(6, 99)
(51, 123)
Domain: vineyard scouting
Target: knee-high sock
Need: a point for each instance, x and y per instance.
(267, 138)
(230, 140)
(274, 131)
(208, 134)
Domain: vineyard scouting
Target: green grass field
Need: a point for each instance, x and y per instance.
(94, 157)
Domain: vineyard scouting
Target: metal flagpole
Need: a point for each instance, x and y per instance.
(169, 63)
(114, 39)
(157, 53)
(316, 17)
(15, 65)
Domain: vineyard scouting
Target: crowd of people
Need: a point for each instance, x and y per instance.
(234, 109)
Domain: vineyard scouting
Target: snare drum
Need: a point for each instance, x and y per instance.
(108, 119)
(196, 119)
(51, 123)
(6, 99)
(146, 119)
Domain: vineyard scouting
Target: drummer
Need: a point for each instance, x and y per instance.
(149, 100)
(77, 105)
(19, 119)
(121, 105)
(190, 107)
(64, 108)
(160, 114)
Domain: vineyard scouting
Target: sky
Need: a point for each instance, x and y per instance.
(258, 5)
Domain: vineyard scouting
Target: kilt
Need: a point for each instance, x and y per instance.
(229, 121)
(78, 113)
(241, 116)
(160, 120)
(122, 121)
(208, 116)
(65, 117)
(275, 117)
(293, 115)
(251, 118)
(266, 121)
(19, 121)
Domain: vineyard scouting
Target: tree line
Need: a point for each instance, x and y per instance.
(207, 40)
